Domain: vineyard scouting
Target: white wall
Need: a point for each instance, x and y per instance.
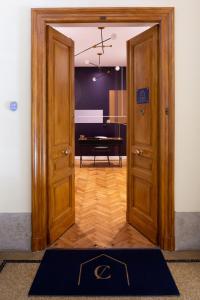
(15, 164)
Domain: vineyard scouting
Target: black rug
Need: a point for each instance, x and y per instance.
(141, 272)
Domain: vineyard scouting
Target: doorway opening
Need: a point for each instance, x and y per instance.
(148, 156)
(100, 67)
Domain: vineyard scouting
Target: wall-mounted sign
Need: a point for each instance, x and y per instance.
(142, 96)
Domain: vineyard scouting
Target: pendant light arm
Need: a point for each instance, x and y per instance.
(93, 46)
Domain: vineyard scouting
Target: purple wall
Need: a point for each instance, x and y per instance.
(95, 95)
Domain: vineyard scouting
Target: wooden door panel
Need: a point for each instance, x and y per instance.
(61, 94)
(143, 133)
(143, 211)
(142, 60)
(59, 191)
(142, 162)
(141, 195)
(61, 210)
(143, 136)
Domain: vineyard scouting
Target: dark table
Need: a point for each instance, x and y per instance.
(93, 142)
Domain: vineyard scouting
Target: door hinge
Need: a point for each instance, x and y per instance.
(167, 111)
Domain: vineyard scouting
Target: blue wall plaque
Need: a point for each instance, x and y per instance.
(142, 96)
(13, 106)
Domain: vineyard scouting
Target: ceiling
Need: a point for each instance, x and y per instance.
(85, 37)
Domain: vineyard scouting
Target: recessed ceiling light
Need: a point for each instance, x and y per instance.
(117, 68)
(94, 79)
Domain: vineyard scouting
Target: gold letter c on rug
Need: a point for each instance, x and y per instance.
(100, 270)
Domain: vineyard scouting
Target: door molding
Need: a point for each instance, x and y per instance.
(41, 18)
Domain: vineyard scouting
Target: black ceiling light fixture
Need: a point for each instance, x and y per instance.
(101, 45)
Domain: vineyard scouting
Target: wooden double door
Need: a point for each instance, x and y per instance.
(142, 144)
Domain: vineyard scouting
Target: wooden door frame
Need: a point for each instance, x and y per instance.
(41, 17)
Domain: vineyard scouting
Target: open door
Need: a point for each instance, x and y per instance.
(60, 131)
(142, 79)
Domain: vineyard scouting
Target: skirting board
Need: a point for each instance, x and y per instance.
(15, 231)
(187, 228)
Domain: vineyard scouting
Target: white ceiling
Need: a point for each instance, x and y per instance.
(85, 37)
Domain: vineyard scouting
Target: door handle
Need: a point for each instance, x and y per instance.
(138, 151)
(66, 152)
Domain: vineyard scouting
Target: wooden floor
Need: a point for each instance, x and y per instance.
(101, 211)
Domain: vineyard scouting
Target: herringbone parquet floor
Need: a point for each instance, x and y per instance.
(101, 211)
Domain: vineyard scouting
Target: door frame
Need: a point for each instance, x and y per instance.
(41, 18)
